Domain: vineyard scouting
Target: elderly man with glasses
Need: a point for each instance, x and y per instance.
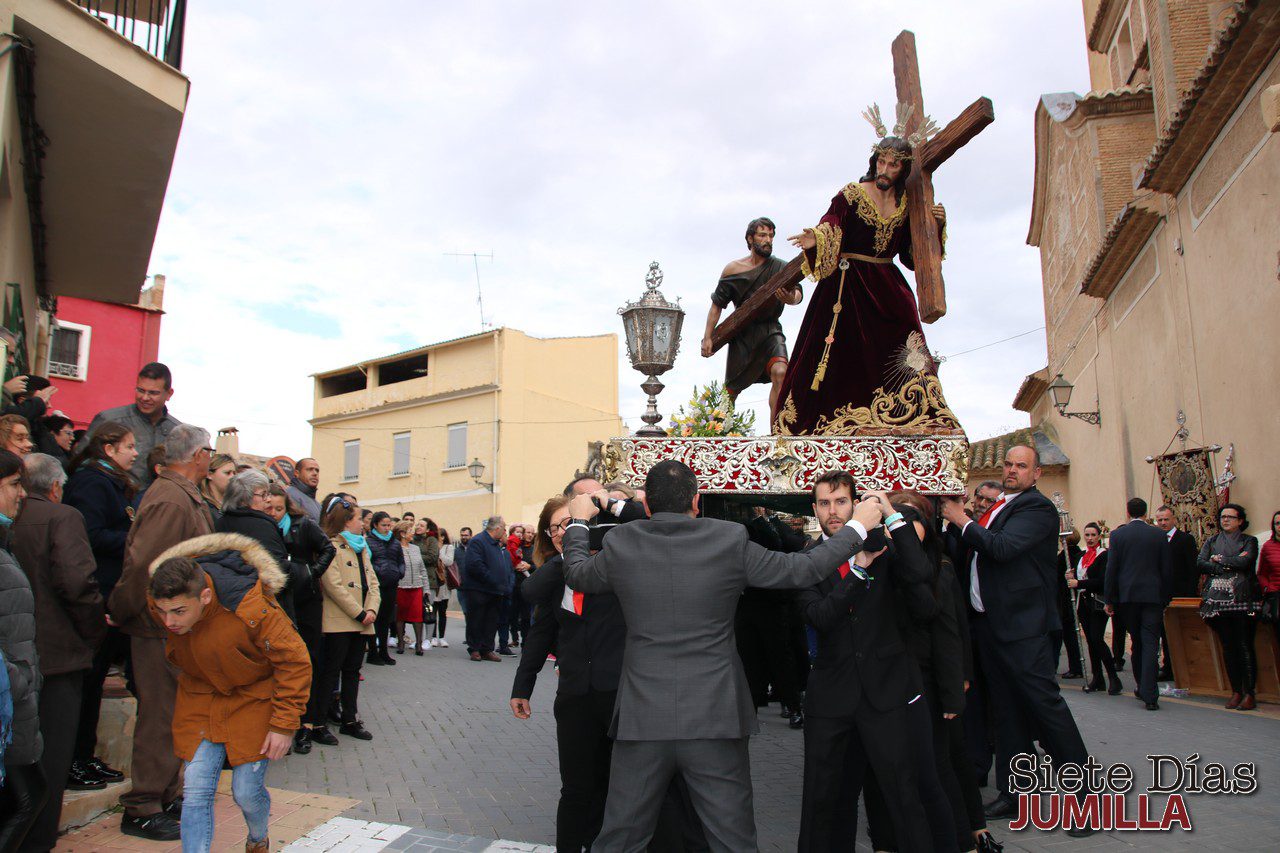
(172, 511)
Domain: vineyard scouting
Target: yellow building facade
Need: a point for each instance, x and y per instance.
(398, 432)
(1157, 218)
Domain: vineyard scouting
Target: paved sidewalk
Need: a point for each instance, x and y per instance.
(448, 757)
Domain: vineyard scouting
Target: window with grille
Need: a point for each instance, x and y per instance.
(69, 351)
(457, 457)
(351, 460)
(400, 454)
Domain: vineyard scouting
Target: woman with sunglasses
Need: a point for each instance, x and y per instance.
(1231, 600)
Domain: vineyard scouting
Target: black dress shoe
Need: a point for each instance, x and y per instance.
(301, 741)
(388, 660)
(173, 809)
(322, 735)
(1153, 706)
(1070, 675)
(1001, 806)
(987, 844)
(1115, 688)
(104, 771)
(1093, 687)
(1165, 674)
(375, 660)
(1119, 664)
(355, 730)
(797, 720)
(1080, 832)
(81, 778)
(506, 652)
(155, 827)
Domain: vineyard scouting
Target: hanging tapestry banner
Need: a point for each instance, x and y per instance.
(1188, 486)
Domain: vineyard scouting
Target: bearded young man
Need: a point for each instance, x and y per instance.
(758, 353)
(860, 360)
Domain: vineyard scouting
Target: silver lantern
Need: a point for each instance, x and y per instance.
(652, 325)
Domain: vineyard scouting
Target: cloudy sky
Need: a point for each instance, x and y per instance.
(334, 154)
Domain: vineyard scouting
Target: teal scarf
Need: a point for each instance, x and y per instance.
(385, 537)
(285, 524)
(355, 540)
(5, 521)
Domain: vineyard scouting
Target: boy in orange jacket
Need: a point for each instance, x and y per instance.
(245, 675)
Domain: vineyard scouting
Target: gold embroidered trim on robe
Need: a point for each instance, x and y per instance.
(826, 252)
(870, 214)
(917, 405)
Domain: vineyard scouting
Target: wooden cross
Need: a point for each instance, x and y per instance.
(925, 245)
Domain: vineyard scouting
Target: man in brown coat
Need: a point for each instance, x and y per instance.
(172, 511)
(52, 547)
(246, 674)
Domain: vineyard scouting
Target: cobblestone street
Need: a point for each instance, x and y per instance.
(449, 758)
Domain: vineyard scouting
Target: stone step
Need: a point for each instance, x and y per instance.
(82, 807)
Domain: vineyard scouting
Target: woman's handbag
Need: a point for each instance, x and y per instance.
(451, 578)
(1271, 608)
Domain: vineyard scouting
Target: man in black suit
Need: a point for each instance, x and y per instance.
(1183, 551)
(1012, 588)
(1139, 586)
(862, 683)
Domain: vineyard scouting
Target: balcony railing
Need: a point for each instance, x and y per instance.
(156, 26)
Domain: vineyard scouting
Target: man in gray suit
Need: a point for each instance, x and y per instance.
(1139, 585)
(683, 701)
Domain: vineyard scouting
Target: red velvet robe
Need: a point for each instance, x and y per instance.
(879, 376)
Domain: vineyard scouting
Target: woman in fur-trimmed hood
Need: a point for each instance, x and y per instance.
(245, 670)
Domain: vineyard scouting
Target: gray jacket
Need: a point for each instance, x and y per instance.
(18, 642)
(145, 434)
(679, 579)
(305, 498)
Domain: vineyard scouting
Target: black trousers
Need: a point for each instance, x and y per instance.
(343, 654)
(765, 647)
(1117, 640)
(1068, 637)
(582, 738)
(386, 617)
(21, 799)
(310, 620)
(59, 716)
(521, 613)
(115, 647)
(1236, 632)
(1025, 699)
(442, 618)
(1094, 623)
(977, 724)
(483, 609)
(1143, 622)
(947, 826)
(837, 753)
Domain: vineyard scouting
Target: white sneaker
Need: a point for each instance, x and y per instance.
(444, 644)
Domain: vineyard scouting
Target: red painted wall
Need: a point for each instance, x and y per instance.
(123, 338)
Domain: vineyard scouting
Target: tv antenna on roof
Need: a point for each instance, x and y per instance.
(475, 260)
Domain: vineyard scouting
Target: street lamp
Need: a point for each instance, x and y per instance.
(476, 470)
(1060, 394)
(652, 325)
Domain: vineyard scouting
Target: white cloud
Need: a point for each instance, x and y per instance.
(329, 162)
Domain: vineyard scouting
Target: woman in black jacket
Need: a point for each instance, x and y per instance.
(1089, 576)
(244, 511)
(309, 548)
(102, 489)
(387, 558)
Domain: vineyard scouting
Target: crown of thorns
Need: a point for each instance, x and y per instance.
(928, 127)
